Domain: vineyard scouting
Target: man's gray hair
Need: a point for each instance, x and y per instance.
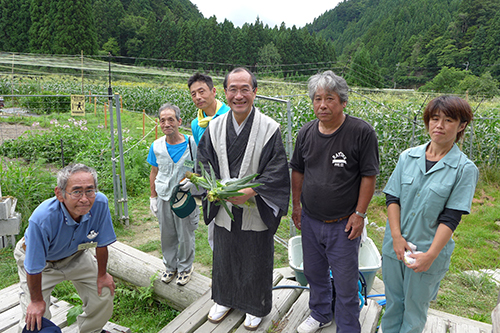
(64, 174)
(330, 82)
(169, 106)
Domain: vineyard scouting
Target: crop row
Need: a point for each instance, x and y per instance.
(396, 119)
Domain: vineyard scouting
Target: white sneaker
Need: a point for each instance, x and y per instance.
(311, 325)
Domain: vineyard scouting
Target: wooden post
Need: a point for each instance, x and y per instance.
(82, 72)
(143, 121)
(156, 129)
(105, 116)
(90, 97)
(95, 106)
(495, 316)
(121, 104)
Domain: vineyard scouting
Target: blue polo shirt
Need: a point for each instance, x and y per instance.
(52, 234)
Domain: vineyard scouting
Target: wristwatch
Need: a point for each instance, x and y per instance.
(363, 215)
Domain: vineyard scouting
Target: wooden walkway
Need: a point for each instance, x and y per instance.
(10, 313)
(290, 306)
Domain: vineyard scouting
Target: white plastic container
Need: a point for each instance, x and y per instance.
(369, 260)
(295, 259)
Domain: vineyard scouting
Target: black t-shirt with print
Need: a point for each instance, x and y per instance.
(333, 165)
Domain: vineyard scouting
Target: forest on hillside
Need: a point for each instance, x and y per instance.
(409, 43)
(145, 31)
(439, 45)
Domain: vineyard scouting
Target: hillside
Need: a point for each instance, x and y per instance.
(411, 41)
(69, 26)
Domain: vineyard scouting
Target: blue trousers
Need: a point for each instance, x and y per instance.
(325, 246)
(408, 296)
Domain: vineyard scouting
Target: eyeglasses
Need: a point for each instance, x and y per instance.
(78, 194)
(243, 91)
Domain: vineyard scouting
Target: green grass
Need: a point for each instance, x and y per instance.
(150, 246)
(8, 268)
(134, 307)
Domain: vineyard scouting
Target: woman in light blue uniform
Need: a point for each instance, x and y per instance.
(430, 189)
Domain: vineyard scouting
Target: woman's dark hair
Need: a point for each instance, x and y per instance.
(453, 107)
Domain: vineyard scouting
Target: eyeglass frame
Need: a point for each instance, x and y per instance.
(86, 192)
(235, 90)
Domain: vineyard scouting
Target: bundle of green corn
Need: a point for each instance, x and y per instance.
(217, 192)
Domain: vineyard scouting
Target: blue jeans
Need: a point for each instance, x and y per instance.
(325, 246)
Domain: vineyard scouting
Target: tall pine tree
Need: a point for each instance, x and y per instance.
(62, 27)
(15, 21)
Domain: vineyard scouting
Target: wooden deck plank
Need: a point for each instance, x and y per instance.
(10, 297)
(111, 327)
(369, 316)
(192, 317)
(495, 317)
(436, 325)
(195, 318)
(465, 328)
(463, 322)
(297, 313)
(10, 318)
(283, 299)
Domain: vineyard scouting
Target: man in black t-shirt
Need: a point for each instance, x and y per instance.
(334, 168)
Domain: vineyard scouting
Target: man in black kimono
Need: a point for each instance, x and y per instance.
(240, 143)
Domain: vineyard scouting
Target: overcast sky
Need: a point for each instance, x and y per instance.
(271, 12)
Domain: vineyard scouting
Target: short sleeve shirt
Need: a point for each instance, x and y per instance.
(52, 234)
(333, 165)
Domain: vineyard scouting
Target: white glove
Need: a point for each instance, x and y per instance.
(153, 205)
(186, 185)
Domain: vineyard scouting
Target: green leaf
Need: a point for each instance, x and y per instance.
(224, 204)
(212, 180)
(73, 313)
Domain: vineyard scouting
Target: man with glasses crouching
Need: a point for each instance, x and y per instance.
(55, 247)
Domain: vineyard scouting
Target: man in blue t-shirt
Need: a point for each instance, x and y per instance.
(170, 157)
(203, 94)
(55, 247)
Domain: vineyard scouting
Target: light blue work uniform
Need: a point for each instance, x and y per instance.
(198, 131)
(450, 183)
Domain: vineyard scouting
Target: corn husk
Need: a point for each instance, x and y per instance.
(218, 192)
